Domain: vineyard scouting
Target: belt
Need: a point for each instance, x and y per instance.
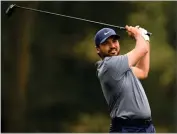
(131, 122)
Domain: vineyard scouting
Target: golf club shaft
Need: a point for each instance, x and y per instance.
(32, 9)
(72, 17)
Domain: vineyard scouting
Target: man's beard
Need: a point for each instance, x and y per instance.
(108, 54)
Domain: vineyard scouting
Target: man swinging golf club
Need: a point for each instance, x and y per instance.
(119, 78)
(119, 74)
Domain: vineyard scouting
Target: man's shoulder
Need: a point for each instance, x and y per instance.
(110, 61)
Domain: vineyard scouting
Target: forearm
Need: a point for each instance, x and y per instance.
(144, 62)
(138, 52)
(141, 44)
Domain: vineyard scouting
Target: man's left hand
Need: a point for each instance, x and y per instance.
(143, 33)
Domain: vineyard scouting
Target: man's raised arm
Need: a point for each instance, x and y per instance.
(141, 69)
(140, 50)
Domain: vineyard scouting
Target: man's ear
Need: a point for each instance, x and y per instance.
(97, 50)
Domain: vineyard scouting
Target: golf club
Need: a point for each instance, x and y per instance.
(12, 7)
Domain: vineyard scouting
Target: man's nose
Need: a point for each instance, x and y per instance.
(112, 45)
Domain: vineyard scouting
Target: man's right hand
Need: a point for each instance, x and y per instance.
(133, 31)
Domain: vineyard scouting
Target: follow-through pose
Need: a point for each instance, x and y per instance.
(119, 78)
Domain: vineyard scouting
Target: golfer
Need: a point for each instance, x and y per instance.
(119, 78)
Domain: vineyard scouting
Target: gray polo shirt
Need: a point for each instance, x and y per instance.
(121, 88)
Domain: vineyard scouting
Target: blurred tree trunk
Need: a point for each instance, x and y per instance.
(14, 103)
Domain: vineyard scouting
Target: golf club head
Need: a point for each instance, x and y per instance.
(10, 10)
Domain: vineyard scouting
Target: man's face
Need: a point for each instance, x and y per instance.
(109, 48)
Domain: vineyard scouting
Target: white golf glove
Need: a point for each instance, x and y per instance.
(143, 33)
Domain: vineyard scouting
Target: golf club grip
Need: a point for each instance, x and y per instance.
(123, 28)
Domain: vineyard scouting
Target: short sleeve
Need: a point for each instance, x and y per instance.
(117, 64)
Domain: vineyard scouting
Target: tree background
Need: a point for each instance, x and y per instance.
(48, 73)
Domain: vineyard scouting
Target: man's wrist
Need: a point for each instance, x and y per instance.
(138, 36)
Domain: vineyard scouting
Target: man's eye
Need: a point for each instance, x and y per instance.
(114, 40)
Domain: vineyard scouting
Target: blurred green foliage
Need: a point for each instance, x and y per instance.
(48, 74)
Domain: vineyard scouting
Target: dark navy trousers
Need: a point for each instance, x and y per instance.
(132, 126)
